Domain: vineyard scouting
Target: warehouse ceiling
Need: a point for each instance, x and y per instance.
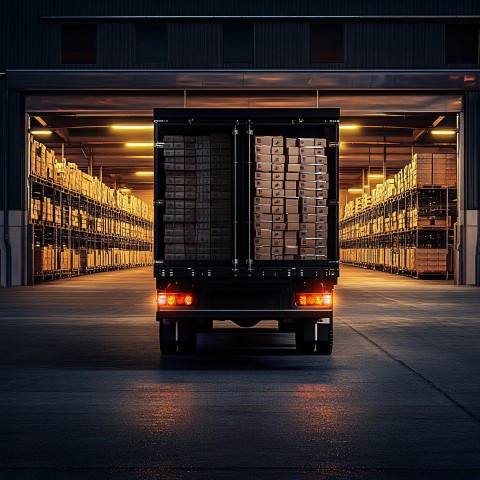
(374, 144)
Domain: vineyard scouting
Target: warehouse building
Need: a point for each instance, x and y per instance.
(79, 84)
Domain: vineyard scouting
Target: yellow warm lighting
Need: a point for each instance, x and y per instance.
(125, 190)
(41, 132)
(139, 144)
(132, 127)
(354, 190)
(348, 127)
(143, 173)
(375, 175)
(443, 132)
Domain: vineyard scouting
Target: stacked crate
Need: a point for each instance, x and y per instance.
(290, 202)
(197, 214)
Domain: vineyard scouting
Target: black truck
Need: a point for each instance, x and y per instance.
(246, 222)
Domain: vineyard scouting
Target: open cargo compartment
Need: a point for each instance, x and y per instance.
(246, 219)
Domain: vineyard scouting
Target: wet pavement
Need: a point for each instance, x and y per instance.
(86, 395)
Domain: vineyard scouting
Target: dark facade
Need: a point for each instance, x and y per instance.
(386, 47)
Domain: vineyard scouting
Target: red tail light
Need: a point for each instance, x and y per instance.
(315, 300)
(170, 300)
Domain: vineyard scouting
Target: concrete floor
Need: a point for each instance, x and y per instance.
(85, 395)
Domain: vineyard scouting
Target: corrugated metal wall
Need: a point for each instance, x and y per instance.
(35, 43)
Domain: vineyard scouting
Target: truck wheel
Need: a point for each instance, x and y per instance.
(305, 335)
(326, 347)
(167, 337)
(177, 335)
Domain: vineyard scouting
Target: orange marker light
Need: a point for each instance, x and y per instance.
(174, 299)
(314, 299)
(302, 300)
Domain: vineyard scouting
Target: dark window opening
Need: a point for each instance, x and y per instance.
(461, 43)
(151, 43)
(238, 43)
(79, 43)
(327, 42)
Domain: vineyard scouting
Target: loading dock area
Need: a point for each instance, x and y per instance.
(85, 395)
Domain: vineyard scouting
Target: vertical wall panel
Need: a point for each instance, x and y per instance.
(194, 45)
(472, 151)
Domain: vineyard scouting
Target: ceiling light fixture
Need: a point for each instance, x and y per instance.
(125, 190)
(443, 132)
(354, 190)
(132, 127)
(41, 132)
(139, 144)
(348, 127)
(375, 175)
(145, 173)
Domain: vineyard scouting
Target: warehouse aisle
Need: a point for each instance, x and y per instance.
(86, 395)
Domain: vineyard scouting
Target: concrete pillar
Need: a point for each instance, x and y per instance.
(470, 202)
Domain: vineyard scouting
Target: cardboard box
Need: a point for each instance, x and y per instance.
(293, 151)
(291, 176)
(278, 159)
(264, 192)
(306, 142)
(293, 226)
(263, 149)
(264, 140)
(263, 233)
(263, 166)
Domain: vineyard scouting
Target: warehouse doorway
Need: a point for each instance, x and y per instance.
(381, 133)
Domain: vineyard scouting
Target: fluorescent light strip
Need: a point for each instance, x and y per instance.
(132, 127)
(139, 144)
(348, 127)
(354, 190)
(143, 173)
(443, 132)
(41, 132)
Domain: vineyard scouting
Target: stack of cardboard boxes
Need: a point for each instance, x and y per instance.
(290, 202)
(197, 217)
(44, 164)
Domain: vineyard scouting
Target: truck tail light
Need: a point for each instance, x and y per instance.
(174, 299)
(324, 299)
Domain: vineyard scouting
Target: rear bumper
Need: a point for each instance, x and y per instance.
(251, 314)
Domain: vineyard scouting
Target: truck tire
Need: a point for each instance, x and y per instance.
(305, 342)
(326, 347)
(167, 337)
(177, 336)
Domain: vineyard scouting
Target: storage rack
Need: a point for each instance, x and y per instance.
(78, 225)
(407, 229)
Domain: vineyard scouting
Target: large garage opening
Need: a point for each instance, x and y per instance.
(90, 178)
